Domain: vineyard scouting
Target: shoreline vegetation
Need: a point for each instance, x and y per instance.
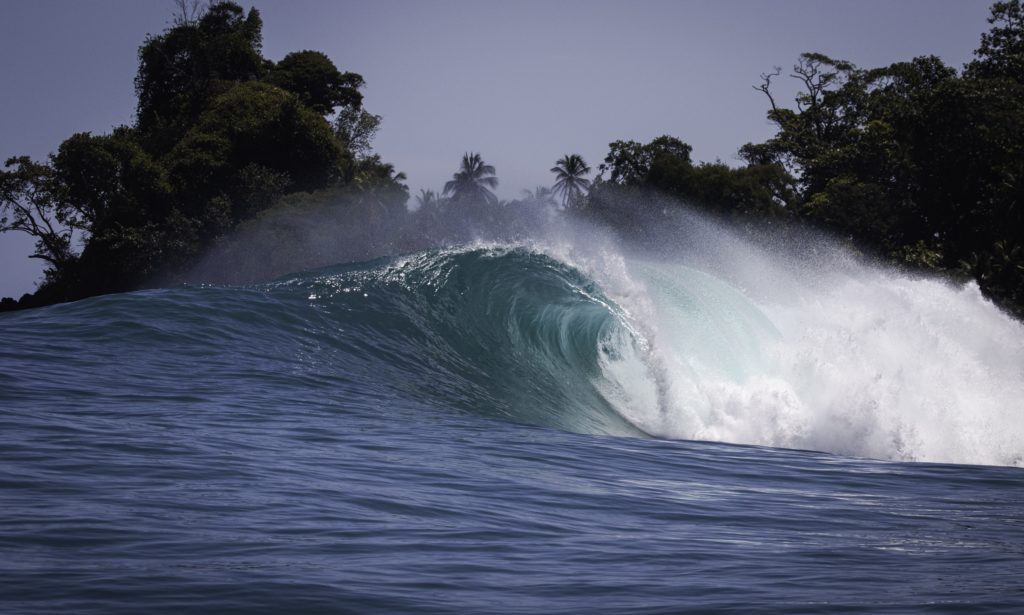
(918, 164)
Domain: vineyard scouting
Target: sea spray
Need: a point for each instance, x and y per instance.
(842, 356)
(787, 340)
(365, 436)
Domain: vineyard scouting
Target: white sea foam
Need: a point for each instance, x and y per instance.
(763, 348)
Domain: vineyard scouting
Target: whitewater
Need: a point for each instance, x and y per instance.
(835, 356)
(568, 424)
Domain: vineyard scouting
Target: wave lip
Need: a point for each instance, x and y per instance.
(503, 332)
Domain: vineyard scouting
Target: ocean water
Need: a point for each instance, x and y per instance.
(513, 429)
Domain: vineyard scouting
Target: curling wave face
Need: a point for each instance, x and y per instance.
(855, 362)
(501, 332)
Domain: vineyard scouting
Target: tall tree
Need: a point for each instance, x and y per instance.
(542, 195)
(29, 204)
(429, 200)
(570, 180)
(630, 163)
(356, 129)
(473, 183)
(196, 60)
(317, 82)
(1001, 53)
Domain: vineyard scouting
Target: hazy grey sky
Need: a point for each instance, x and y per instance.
(521, 82)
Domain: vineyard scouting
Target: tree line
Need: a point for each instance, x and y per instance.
(917, 162)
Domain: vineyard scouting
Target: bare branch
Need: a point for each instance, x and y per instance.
(188, 12)
(766, 79)
(807, 71)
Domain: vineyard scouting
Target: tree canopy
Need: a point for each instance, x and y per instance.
(917, 162)
(1001, 52)
(570, 179)
(317, 82)
(183, 68)
(474, 182)
(221, 133)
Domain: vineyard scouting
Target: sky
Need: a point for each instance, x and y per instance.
(521, 82)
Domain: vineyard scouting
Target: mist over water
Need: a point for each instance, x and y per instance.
(771, 337)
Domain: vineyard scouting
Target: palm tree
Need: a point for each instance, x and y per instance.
(569, 178)
(473, 182)
(426, 198)
(430, 201)
(541, 196)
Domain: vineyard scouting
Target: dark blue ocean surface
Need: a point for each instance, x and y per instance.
(443, 433)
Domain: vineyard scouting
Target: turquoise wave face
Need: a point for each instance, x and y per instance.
(856, 362)
(505, 333)
(501, 332)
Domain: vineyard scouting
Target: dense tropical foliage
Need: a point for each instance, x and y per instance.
(917, 162)
(221, 134)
